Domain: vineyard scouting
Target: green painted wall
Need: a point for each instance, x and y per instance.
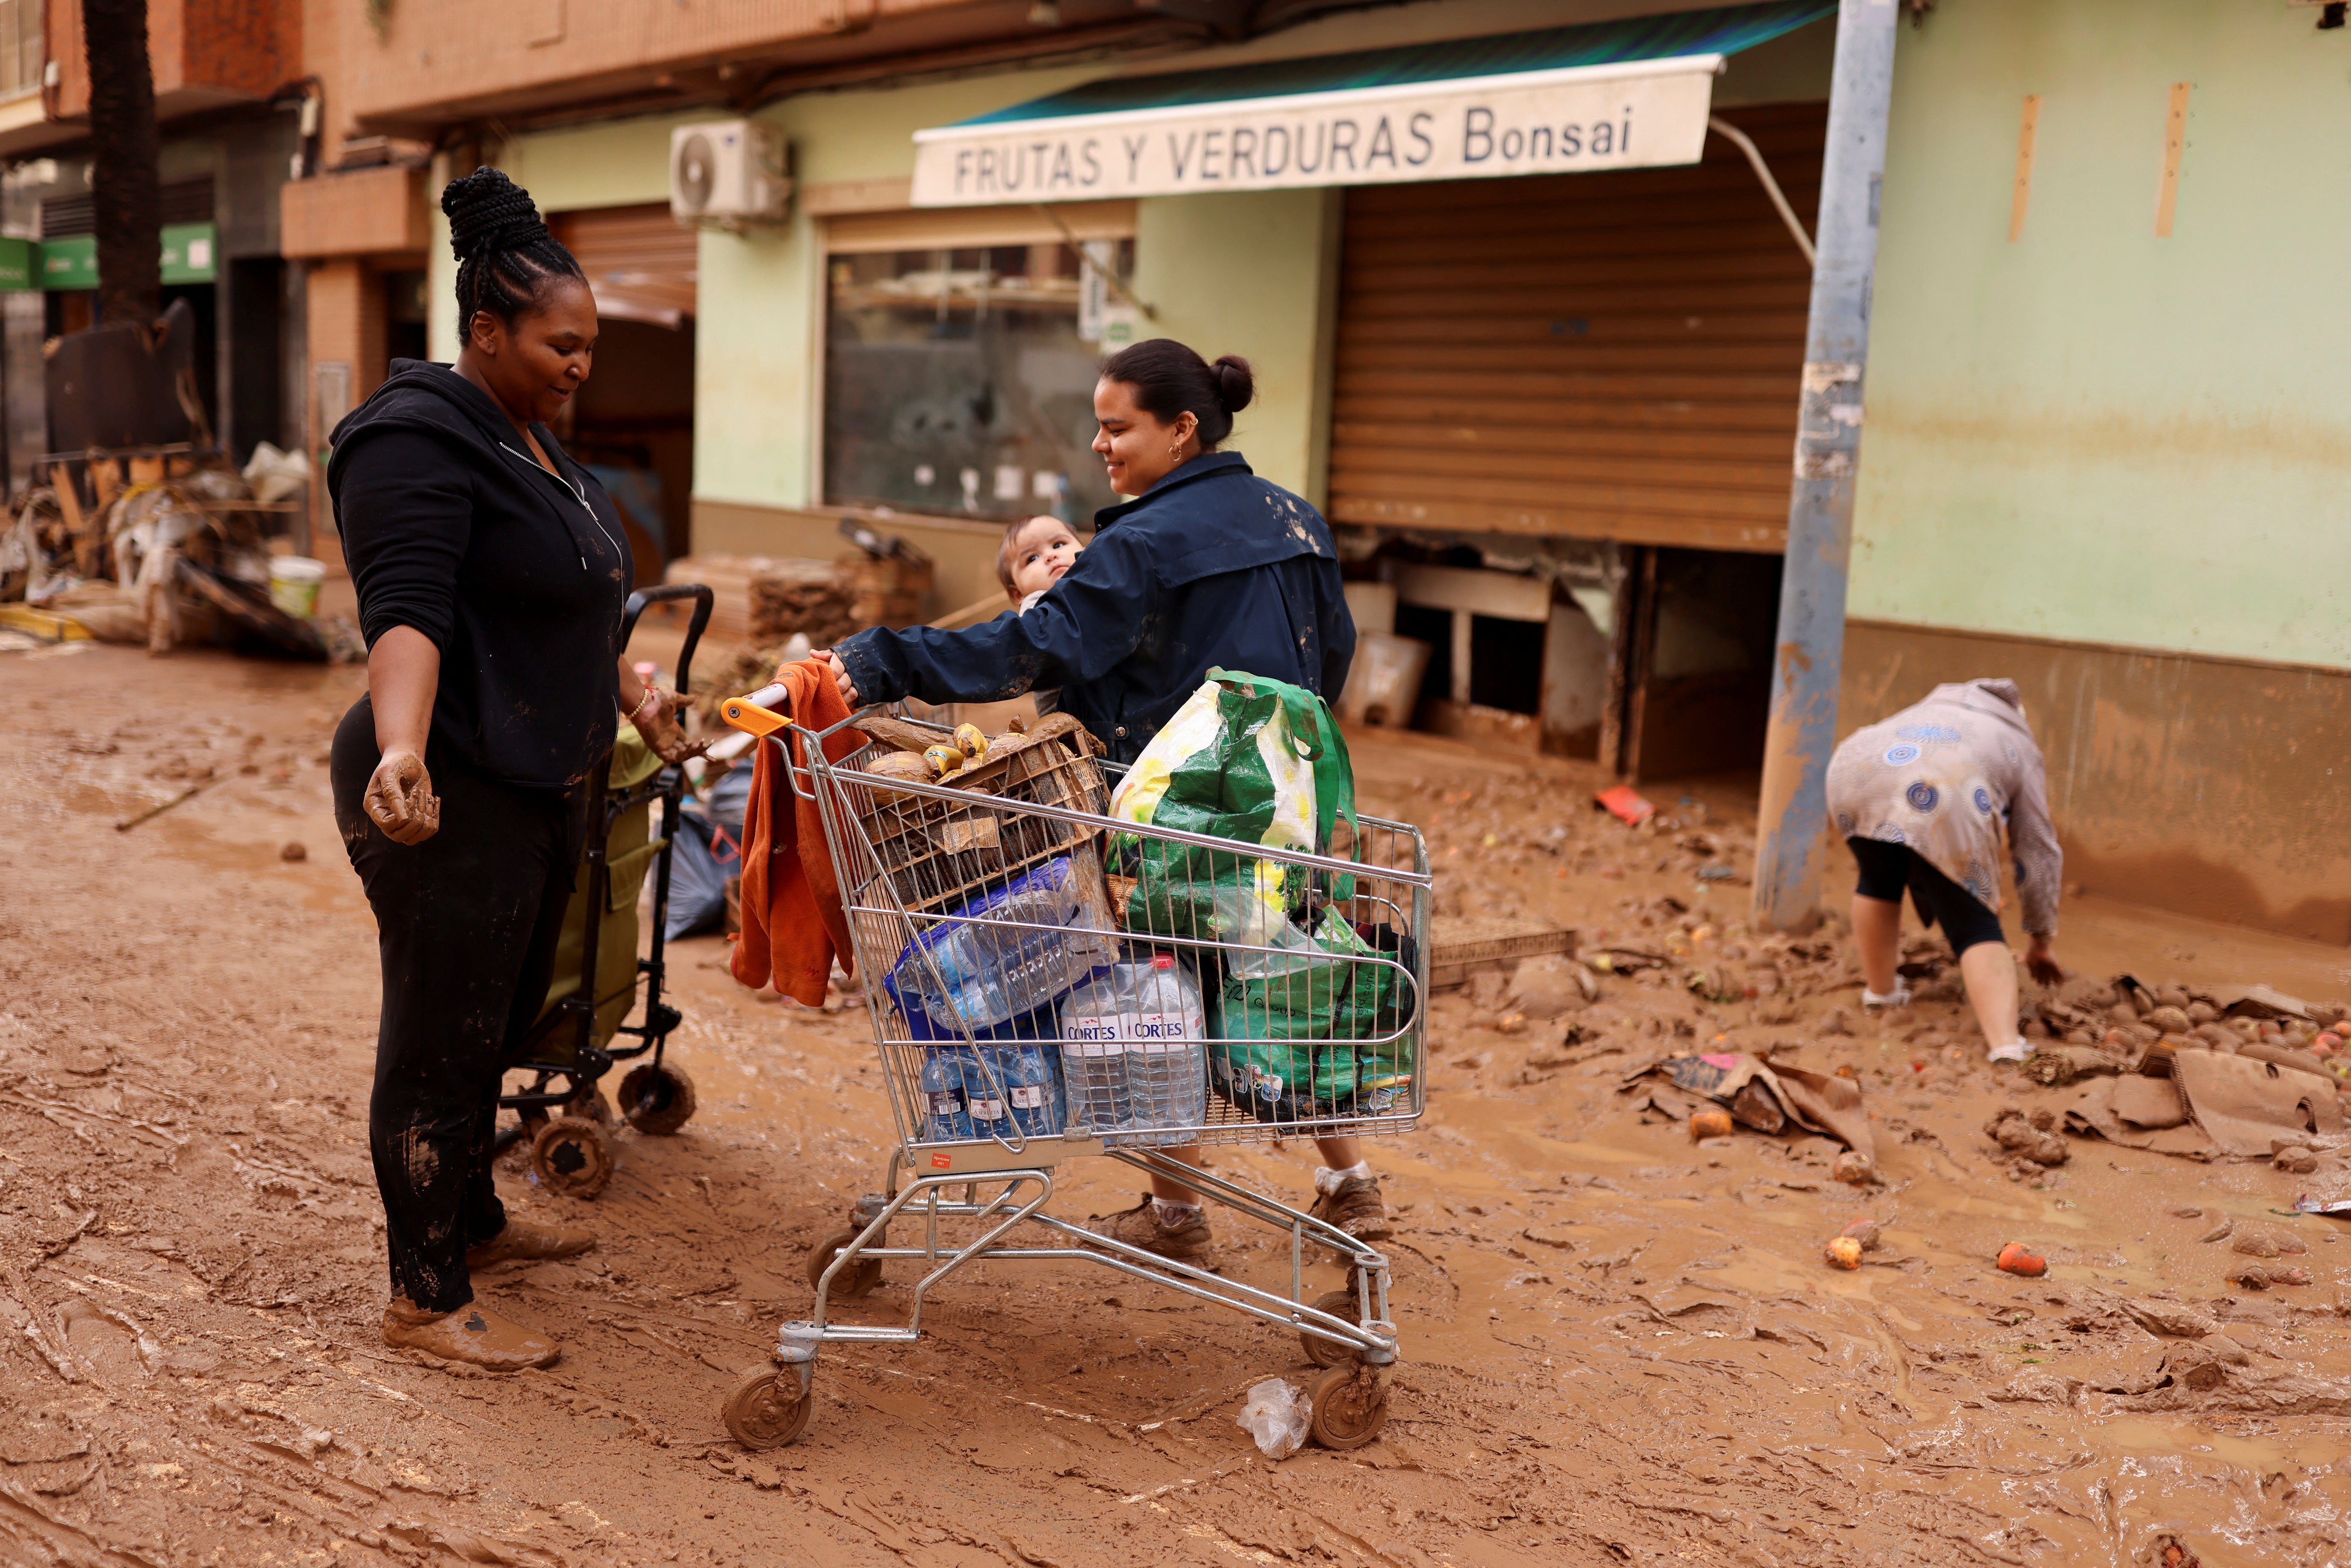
(1247, 274)
(2093, 434)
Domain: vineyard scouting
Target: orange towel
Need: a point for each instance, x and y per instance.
(792, 922)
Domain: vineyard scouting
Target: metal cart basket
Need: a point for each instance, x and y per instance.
(1046, 982)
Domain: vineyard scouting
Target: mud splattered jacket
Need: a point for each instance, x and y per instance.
(1211, 566)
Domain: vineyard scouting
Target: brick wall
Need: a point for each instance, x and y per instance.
(248, 48)
(344, 325)
(363, 212)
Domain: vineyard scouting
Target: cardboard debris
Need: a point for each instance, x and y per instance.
(2242, 1105)
(1766, 1096)
(2212, 1104)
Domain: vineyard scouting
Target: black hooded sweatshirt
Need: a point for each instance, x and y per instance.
(449, 526)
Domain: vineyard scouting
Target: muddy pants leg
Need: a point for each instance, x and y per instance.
(467, 924)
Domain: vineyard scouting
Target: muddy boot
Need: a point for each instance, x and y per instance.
(523, 1241)
(1185, 1239)
(1352, 1203)
(472, 1334)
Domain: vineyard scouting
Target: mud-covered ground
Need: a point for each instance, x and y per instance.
(1617, 1346)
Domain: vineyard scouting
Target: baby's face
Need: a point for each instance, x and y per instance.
(1044, 550)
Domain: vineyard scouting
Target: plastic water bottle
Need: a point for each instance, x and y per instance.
(945, 1120)
(1030, 1073)
(1166, 1053)
(1093, 1056)
(1004, 954)
(985, 1101)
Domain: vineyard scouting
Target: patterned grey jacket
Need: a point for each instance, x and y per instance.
(1941, 777)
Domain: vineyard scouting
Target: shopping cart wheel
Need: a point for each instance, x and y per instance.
(1351, 1406)
(1330, 1353)
(767, 1409)
(657, 1097)
(859, 1279)
(571, 1157)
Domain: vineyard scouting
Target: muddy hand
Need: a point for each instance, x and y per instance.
(832, 660)
(665, 734)
(2041, 963)
(400, 799)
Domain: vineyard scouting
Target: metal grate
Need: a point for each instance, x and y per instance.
(181, 201)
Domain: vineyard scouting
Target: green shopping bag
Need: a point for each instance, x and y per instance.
(1245, 759)
(1305, 1035)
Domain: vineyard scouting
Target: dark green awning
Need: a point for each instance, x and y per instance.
(1725, 30)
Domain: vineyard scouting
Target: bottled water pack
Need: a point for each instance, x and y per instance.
(997, 1089)
(1008, 952)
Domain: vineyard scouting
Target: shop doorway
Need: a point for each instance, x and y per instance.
(1579, 392)
(633, 422)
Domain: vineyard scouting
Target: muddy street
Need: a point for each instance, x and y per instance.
(1619, 1346)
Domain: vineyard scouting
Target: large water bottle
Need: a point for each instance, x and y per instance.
(1095, 1026)
(1030, 1073)
(1166, 1053)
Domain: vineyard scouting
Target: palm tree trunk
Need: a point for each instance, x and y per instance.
(123, 179)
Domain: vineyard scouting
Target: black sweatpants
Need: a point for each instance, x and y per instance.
(466, 925)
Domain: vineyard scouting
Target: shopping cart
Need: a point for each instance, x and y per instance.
(1251, 993)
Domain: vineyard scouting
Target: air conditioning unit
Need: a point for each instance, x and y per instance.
(728, 172)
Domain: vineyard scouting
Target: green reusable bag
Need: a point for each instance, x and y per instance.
(1245, 759)
(1307, 1039)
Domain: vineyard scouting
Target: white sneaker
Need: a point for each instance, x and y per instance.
(1900, 998)
(2014, 1050)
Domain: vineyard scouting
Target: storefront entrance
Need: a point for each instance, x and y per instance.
(1591, 380)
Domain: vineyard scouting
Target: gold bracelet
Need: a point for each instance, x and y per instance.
(651, 694)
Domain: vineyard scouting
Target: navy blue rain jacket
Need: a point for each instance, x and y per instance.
(1211, 566)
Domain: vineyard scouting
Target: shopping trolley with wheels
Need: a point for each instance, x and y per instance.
(995, 918)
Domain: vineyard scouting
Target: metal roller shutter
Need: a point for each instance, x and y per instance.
(640, 263)
(1609, 356)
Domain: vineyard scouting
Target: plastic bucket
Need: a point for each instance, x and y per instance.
(294, 584)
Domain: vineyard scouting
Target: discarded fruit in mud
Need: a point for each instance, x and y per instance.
(1709, 1125)
(1845, 1252)
(970, 741)
(1863, 1230)
(943, 759)
(2016, 1257)
(1854, 1167)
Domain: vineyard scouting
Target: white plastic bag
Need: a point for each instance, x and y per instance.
(1277, 1415)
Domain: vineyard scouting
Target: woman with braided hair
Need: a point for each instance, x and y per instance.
(492, 571)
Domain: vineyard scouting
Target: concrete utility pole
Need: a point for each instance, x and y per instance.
(1810, 651)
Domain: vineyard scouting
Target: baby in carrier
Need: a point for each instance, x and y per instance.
(1034, 555)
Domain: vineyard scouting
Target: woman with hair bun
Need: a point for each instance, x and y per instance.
(1206, 565)
(492, 571)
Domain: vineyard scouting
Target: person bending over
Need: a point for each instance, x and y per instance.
(1922, 798)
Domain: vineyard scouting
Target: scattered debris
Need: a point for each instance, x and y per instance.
(2016, 1257)
(1278, 1414)
(1625, 804)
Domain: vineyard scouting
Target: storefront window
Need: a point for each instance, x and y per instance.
(957, 382)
